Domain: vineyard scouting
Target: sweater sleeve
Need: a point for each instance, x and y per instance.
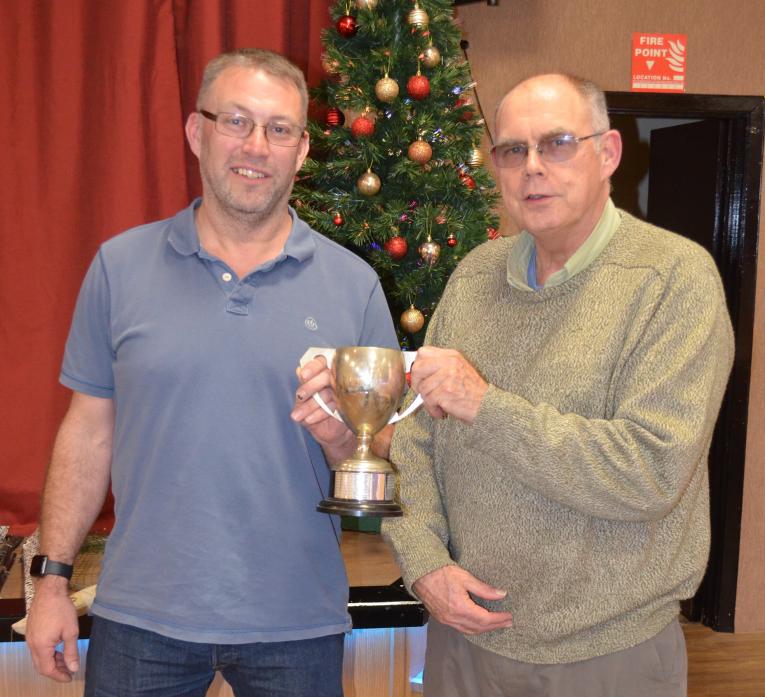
(635, 465)
(420, 538)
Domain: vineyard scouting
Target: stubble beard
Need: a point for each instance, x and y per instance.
(238, 209)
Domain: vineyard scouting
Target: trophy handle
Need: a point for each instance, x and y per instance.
(329, 354)
(416, 403)
(409, 357)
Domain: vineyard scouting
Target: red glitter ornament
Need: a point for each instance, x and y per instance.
(468, 181)
(362, 127)
(335, 117)
(418, 87)
(397, 247)
(338, 219)
(346, 26)
(451, 240)
(492, 233)
(465, 114)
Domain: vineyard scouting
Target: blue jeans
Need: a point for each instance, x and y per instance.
(125, 661)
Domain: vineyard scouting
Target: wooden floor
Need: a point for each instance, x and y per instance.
(724, 665)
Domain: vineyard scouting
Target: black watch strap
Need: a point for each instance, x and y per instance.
(42, 566)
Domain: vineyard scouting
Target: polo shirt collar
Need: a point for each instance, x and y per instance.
(522, 252)
(183, 237)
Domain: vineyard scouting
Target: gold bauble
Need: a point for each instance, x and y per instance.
(330, 66)
(431, 57)
(418, 17)
(386, 89)
(368, 183)
(476, 158)
(412, 320)
(420, 152)
(429, 251)
(366, 4)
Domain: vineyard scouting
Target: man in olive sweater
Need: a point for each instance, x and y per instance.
(555, 519)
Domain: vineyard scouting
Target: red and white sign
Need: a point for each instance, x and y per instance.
(658, 62)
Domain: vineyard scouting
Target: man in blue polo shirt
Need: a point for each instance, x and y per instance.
(181, 358)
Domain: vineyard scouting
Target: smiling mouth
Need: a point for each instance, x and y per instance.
(249, 173)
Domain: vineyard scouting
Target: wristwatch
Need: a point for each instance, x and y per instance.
(42, 566)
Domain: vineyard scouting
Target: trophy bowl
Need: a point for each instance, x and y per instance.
(368, 383)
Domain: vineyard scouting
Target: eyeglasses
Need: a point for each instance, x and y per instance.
(557, 148)
(238, 126)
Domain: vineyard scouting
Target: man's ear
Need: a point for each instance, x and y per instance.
(194, 132)
(303, 147)
(610, 152)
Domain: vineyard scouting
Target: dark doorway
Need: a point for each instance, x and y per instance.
(703, 167)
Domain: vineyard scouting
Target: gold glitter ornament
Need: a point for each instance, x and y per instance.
(412, 320)
(330, 66)
(386, 89)
(420, 152)
(430, 57)
(429, 251)
(418, 17)
(368, 183)
(476, 158)
(366, 4)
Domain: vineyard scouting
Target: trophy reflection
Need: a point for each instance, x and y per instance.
(368, 383)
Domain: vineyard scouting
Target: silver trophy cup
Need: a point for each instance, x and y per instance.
(368, 383)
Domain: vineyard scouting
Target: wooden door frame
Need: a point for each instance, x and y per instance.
(739, 210)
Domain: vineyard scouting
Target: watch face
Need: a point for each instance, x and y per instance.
(38, 565)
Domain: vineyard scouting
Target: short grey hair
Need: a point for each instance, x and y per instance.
(269, 62)
(595, 97)
(588, 90)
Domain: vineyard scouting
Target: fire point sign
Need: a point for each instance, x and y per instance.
(658, 62)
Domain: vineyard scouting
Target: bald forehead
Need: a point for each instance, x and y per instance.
(539, 90)
(539, 98)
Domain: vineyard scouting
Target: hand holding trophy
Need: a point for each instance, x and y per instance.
(369, 383)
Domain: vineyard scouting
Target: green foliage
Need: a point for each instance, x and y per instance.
(416, 201)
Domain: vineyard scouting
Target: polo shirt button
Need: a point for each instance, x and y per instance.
(226, 276)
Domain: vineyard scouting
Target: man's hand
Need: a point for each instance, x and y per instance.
(449, 385)
(53, 619)
(334, 436)
(445, 594)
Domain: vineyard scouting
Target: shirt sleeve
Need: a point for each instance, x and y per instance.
(378, 327)
(88, 357)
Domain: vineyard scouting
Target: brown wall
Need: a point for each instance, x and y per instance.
(593, 38)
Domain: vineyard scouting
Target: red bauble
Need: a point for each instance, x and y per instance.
(418, 87)
(346, 26)
(338, 219)
(465, 114)
(362, 127)
(492, 233)
(451, 240)
(335, 117)
(468, 181)
(397, 247)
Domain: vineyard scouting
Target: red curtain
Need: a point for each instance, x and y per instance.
(96, 95)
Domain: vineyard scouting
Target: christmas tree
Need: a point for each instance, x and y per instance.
(395, 172)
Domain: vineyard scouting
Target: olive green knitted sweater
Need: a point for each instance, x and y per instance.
(582, 486)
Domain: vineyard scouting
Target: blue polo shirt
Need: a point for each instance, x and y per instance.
(216, 536)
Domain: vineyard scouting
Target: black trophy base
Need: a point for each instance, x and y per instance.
(358, 509)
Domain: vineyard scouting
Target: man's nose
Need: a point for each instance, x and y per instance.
(533, 164)
(256, 141)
